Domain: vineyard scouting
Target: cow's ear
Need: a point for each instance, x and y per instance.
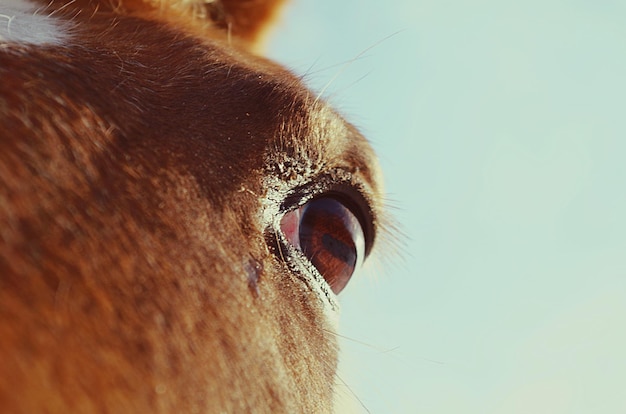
(247, 20)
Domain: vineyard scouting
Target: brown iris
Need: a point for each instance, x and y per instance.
(330, 236)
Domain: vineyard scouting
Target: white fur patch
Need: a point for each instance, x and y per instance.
(22, 23)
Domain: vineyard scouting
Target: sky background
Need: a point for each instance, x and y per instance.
(501, 129)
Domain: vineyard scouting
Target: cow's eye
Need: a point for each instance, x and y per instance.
(330, 237)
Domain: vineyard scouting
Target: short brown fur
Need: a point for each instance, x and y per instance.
(136, 165)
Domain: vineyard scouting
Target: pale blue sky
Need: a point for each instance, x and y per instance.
(501, 129)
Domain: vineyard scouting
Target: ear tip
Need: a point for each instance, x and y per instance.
(247, 20)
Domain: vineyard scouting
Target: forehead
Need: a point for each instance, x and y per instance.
(236, 112)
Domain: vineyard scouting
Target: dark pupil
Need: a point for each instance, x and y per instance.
(326, 240)
(339, 249)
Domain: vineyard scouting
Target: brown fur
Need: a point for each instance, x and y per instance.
(142, 168)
